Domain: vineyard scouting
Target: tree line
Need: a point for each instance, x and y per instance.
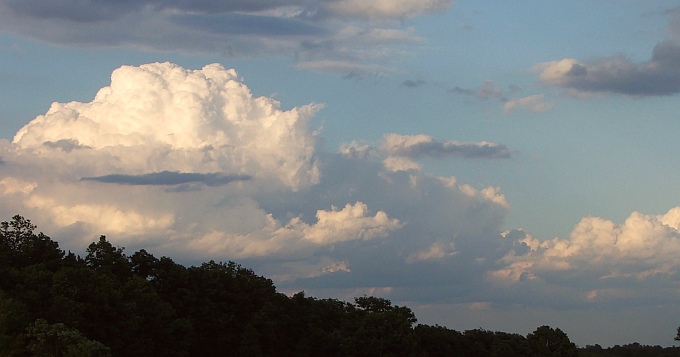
(55, 303)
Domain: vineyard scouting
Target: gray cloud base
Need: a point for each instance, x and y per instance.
(659, 76)
(332, 35)
(169, 178)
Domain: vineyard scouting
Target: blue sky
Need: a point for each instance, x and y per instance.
(490, 164)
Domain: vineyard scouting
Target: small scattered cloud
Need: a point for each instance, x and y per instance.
(489, 90)
(415, 146)
(463, 91)
(533, 103)
(400, 152)
(349, 70)
(468, 28)
(410, 83)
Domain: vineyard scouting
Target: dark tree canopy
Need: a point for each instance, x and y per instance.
(54, 303)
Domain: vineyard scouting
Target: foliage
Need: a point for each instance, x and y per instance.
(54, 303)
(46, 340)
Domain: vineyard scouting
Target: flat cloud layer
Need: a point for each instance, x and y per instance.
(188, 163)
(328, 36)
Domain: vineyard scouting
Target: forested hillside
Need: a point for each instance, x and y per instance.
(54, 303)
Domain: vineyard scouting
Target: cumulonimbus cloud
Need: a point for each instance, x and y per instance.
(189, 161)
(263, 193)
(203, 121)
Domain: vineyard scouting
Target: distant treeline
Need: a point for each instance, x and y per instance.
(54, 303)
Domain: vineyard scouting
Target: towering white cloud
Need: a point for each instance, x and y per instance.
(189, 163)
(161, 117)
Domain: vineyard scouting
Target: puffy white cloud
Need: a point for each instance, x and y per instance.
(643, 246)
(190, 164)
(161, 117)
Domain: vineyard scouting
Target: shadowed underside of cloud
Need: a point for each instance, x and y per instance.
(362, 34)
(425, 146)
(398, 151)
(168, 178)
(658, 76)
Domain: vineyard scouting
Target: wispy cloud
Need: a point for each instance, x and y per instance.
(532, 103)
(363, 33)
(410, 83)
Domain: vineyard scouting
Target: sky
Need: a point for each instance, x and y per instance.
(489, 164)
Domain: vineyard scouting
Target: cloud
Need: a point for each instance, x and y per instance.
(532, 103)
(381, 9)
(348, 69)
(188, 163)
(463, 91)
(65, 144)
(604, 262)
(488, 90)
(161, 117)
(364, 33)
(398, 152)
(410, 83)
(659, 76)
(415, 146)
(167, 178)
